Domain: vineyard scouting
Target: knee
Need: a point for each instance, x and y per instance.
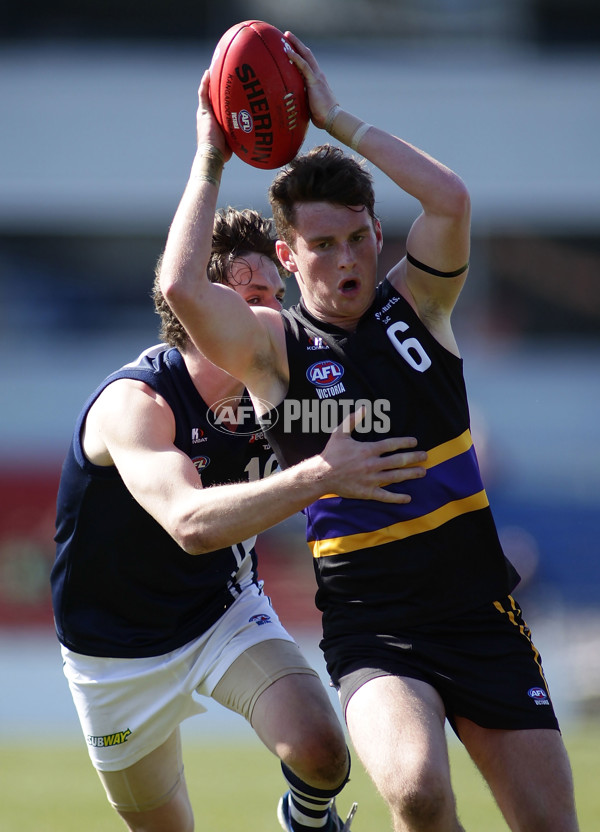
(424, 810)
(428, 804)
(321, 758)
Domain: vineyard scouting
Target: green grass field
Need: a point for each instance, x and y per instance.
(235, 788)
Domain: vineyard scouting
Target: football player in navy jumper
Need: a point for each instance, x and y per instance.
(155, 588)
(419, 622)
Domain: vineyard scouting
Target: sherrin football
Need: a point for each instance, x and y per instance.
(258, 95)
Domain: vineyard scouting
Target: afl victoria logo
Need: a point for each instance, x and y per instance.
(324, 373)
(201, 462)
(537, 693)
(539, 696)
(245, 121)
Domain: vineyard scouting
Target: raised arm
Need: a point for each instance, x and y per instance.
(440, 236)
(242, 341)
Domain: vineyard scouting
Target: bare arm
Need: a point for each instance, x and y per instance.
(252, 350)
(440, 236)
(133, 428)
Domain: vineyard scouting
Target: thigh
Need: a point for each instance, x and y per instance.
(482, 663)
(494, 671)
(247, 624)
(528, 772)
(295, 709)
(257, 669)
(154, 781)
(397, 728)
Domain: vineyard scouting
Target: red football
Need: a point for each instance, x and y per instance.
(258, 95)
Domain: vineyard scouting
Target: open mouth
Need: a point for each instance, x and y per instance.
(348, 286)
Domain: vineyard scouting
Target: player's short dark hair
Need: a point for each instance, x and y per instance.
(324, 174)
(235, 233)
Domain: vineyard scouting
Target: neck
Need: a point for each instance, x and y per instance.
(345, 322)
(212, 383)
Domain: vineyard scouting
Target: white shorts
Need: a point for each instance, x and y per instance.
(129, 707)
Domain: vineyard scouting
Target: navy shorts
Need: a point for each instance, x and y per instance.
(483, 664)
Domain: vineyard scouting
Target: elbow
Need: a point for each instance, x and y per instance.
(449, 200)
(194, 538)
(196, 524)
(209, 538)
(459, 199)
(165, 275)
(178, 281)
(173, 291)
(194, 544)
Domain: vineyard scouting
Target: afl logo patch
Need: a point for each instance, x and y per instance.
(201, 462)
(260, 619)
(324, 373)
(245, 121)
(539, 696)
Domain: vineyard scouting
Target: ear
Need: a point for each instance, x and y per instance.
(378, 236)
(286, 256)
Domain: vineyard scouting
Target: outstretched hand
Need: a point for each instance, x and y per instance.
(360, 470)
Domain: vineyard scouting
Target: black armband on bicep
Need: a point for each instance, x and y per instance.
(414, 262)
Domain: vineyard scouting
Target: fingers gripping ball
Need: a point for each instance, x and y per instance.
(258, 95)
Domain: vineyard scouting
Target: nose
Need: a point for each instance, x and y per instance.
(347, 258)
(274, 303)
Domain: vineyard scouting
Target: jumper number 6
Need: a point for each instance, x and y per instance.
(410, 349)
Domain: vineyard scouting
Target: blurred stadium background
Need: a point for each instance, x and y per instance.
(97, 135)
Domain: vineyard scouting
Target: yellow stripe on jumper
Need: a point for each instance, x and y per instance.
(448, 450)
(440, 453)
(398, 531)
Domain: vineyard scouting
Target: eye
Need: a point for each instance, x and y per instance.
(253, 301)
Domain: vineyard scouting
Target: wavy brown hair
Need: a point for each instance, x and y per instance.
(235, 233)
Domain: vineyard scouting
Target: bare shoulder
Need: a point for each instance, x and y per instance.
(397, 277)
(432, 306)
(119, 412)
(125, 393)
